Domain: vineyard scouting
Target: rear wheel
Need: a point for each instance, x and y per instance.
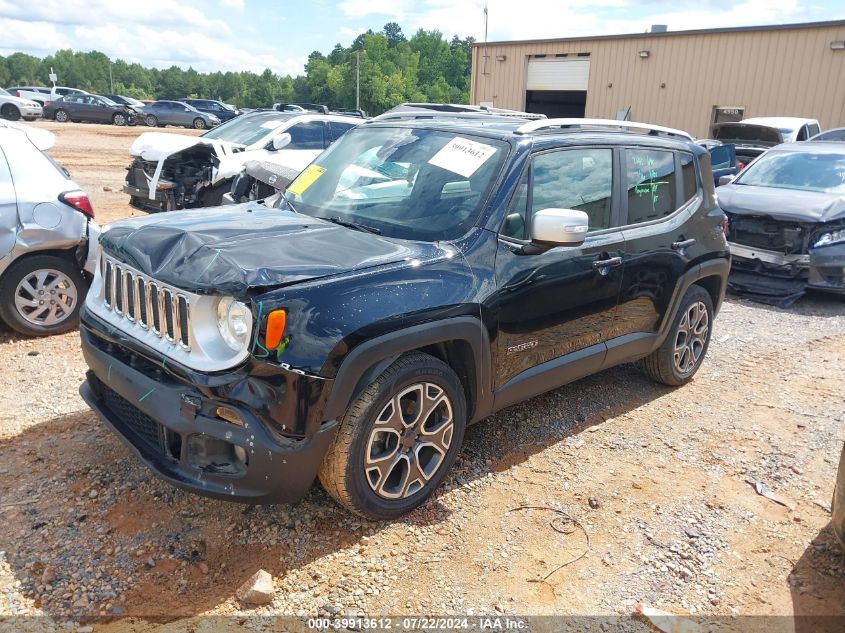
(62, 116)
(678, 359)
(41, 295)
(199, 124)
(150, 120)
(119, 118)
(10, 112)
(397, 440)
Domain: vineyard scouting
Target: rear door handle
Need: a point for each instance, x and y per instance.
(607, 263)
(679, 246)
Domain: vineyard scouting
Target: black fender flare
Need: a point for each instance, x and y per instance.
(372, 357)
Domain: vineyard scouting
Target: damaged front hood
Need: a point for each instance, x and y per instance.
(233, 164)
(781, 204)
(154, 146)
(228, 250)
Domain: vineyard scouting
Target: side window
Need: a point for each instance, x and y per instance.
(306, 135)
(813, 129)
(650, 182)
(688, 176)
(575, 179)
(336, 130)
(802, 134)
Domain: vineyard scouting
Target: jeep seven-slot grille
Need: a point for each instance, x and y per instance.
(142, 300)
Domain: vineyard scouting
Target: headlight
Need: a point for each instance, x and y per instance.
(234, 321)
(833, 237)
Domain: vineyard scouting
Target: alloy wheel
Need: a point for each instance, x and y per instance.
(119, 119)
(61, 116)
(409, 441)
(45, 297)
(691, 338)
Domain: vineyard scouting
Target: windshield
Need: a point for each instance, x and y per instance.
(806, 171)
(248, 130)
(418, 184)
(109, 101)
(748, 132)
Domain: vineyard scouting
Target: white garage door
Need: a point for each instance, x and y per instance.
(558, 73)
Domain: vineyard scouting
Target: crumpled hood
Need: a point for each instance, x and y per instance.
(781, 204)
(154, 146)
(228, 250)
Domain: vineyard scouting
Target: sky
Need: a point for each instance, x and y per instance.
(253, 35)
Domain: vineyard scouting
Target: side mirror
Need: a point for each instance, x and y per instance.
(559, 227)
(725, 180)
(281, 141)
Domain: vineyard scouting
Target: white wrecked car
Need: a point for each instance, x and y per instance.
(175, 171)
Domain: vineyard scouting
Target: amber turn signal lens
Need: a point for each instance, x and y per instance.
(276, 321)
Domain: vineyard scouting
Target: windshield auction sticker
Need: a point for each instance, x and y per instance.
(462, 156)
(307, 178)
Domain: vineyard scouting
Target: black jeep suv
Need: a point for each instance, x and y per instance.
(417, 277)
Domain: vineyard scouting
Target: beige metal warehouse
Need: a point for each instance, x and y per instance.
(682, 79)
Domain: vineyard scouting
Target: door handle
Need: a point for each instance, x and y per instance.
(684, 244)
(607, 263)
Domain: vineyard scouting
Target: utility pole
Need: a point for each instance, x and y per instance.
(111, 81)
(358, 80)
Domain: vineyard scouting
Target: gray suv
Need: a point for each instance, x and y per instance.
(163, 113)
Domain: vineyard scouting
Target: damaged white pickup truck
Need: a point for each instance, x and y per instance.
(174, 171)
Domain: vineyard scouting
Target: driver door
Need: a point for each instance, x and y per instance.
(557, 307)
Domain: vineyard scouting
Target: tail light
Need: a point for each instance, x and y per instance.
(17, 93)
(79, 201)
(725, 226)
(740, 166)
(46, 103)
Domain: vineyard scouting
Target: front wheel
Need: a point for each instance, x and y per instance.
(676, 361)
(40, 295)
(397, 440)
(10, 112)
(62, 116)
(119, 118)
(199, 124)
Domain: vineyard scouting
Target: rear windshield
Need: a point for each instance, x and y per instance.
(805, 171)
(747, 132)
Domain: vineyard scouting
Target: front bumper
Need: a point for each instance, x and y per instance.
(822, 268)
(171, 421)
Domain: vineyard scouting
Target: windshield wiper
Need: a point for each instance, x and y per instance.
(353, 225)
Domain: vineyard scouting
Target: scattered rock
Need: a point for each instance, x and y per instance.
(594, 503)
(258, 589)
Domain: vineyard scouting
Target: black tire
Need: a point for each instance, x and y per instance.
(118, 118)
(199, 124)
(343, 473)
(10, 112)
(61, 116)
(150, 120)
(26, 267)
(663, 365)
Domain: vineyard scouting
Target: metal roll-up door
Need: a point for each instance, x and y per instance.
(558, 73)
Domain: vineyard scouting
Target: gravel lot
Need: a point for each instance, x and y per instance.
(655, 481)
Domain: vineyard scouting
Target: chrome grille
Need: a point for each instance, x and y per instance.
(151, 305)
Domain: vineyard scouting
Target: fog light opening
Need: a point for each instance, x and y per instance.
(229, 415)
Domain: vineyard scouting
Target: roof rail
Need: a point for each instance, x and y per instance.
(534, 126)
(428, 110)
(474, 116)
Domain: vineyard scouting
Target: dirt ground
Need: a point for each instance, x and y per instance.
(641, 493)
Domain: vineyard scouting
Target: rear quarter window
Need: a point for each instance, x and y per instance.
(689, 177)
(651, 184)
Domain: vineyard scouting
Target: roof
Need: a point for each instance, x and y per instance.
(790, 122)
(811, 147)
(732, 29)
(507, 129)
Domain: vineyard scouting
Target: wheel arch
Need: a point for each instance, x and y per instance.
(69, 254)
(460, 342)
